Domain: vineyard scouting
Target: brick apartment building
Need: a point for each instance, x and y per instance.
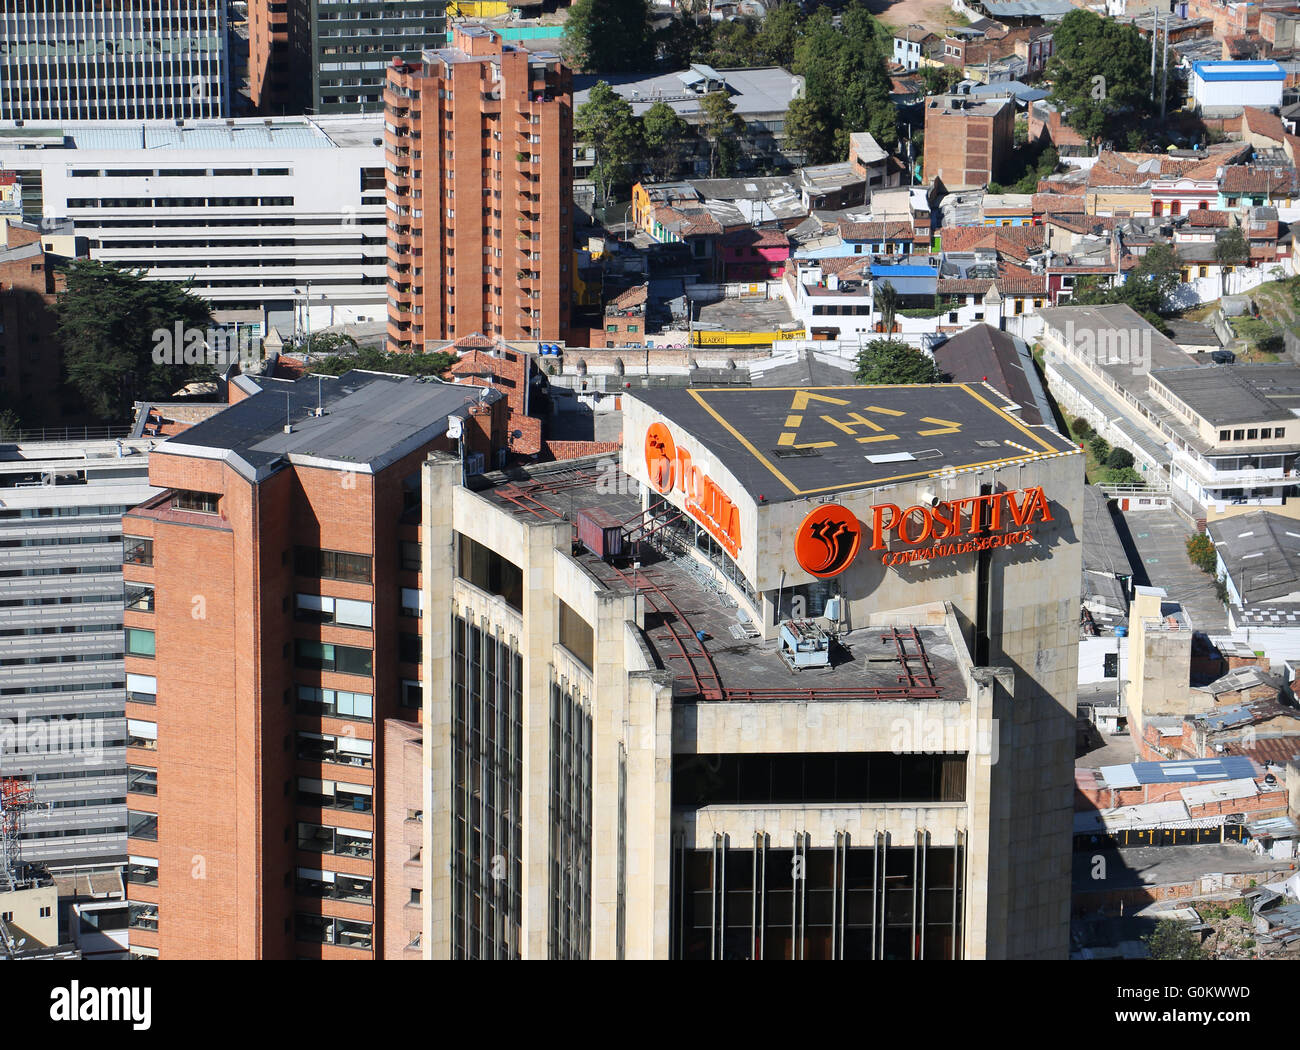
(280, 637)
(478, 147)
(268, 56)
(967, 140)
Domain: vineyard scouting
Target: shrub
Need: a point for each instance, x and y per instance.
(1126, 476)
(1082, 428)
(1100, 448)
(1119, 458)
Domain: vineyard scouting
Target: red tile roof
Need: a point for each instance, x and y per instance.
(876, 231)
(1057, 203)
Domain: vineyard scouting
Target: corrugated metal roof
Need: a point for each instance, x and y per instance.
(1201, 769)
(1224, 791)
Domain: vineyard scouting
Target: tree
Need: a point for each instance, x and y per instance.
(939, 79)
(721, 128)
(118, 332)
(1201, 551)
(845, 79)
(664, 134)
(735, 44)
(810, 128)
(1229, 250)
(887, 303)
(373, 359)
(780, 33)
(1171, 940)
(609, 36)
(1153, 281)
(605, 122)
(1099, 447)
(683, 40)
(1100, 74)
(894, 362)
(329, 343)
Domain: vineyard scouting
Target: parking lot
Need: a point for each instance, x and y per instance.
(1156, 545)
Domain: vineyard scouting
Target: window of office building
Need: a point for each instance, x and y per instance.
(488, 571)
(335, 703)
(142, 825)
(575, 634)
(844, 901)
(142, 688)
(570, 851)
(142, 871)
(857, 778)
(332, 565)
(343, 612)
(322, 656)
(139, 643)
(137, 550)
(341, 750)
(141, 780)
(487, 778)
(333, 794)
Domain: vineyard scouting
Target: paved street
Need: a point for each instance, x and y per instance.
(1156, 544)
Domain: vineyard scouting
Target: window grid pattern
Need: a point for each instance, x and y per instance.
(843, 902)
(487, 779)
(570, 847)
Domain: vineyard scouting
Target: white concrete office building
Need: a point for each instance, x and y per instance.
(255, 214)
(63, 683)
(795, 679)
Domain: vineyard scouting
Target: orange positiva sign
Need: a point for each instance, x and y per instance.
(977, 516)
(827, 540)
(670, 468)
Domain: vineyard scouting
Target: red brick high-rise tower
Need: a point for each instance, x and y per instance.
(480, 227)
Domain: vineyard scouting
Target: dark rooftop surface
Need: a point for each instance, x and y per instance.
(370, 419)
(1236, 393)
(1261, 552)
(788, 442)
(984, 354)
(682, 598)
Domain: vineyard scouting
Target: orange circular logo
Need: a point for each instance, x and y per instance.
(660, 455)
(827, 540)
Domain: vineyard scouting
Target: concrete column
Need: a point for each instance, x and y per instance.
(441, 478)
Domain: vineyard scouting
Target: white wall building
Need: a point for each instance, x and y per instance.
(252, 212)
(1232, 85)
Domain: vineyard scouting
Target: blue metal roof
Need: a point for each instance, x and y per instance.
(1199, 769)
(1230, 71)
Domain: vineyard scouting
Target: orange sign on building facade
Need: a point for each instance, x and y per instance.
(829, 537)
(670, 468)
(828, 540)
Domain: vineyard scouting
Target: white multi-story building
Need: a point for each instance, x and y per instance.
(63, 685)
(255, 215)
(141, 59)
